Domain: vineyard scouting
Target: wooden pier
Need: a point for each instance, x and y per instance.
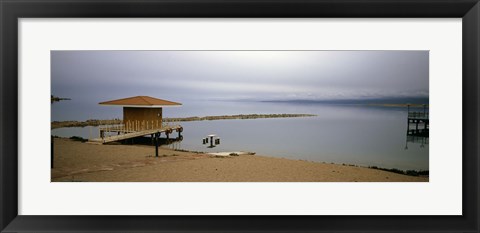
(419, 133)
(114, 133)
(418, 118)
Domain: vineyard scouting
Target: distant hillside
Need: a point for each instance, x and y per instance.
(399, 100)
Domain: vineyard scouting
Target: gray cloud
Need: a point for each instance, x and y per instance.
(230, 75)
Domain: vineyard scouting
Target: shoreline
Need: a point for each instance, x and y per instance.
(408, 172)
(77, 161)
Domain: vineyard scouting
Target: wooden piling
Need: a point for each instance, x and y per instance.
(52, 152)
(156, 144)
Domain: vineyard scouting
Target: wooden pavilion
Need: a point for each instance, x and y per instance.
(142, 112)
(142, 115)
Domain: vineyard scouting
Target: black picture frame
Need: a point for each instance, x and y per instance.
(11, 11)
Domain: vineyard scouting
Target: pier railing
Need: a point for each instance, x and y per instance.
(137, 126)
(111, 133)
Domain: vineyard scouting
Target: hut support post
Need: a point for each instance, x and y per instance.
(51, 152)
(156, 144)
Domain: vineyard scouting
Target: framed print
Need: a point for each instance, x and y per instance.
(239, 116)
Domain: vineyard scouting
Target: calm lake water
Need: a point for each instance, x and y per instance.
(351, 134)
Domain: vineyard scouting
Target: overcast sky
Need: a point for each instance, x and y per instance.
(239, 75)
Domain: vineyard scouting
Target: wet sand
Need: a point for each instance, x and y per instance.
(77, 161)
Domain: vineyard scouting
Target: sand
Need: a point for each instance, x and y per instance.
(77, 161)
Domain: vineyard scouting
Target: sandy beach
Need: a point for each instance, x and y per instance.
(77, 161)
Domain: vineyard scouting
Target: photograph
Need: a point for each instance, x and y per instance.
(239, 115)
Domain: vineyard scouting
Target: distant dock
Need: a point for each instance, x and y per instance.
(418, 118)
(418, 125)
